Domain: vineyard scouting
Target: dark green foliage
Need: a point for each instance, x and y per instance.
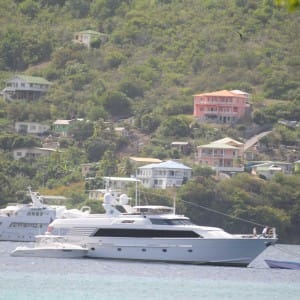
(244, 198)
(157, 55)
(117, 104)
(149, 123)
(81, 130)
(132, 88)
(9, 142)
(175, 127)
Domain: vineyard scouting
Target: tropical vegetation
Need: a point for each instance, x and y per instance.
(158, 54)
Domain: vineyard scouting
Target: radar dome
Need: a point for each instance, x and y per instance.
(123, 199)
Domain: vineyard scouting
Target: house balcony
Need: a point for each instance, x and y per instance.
(221, 113)
(215, 102)
(228, 169)
(11, 89)
(216, 155)
(160, 177)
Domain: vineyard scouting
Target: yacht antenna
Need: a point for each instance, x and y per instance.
(174, 203)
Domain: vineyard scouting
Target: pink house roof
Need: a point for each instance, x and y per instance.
(223, 93)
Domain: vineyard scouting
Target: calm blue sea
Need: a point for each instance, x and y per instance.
(39, 278)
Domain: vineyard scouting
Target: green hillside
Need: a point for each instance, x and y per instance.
(157, 51)
(151, 58)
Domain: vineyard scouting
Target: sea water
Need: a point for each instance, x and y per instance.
(50, 278)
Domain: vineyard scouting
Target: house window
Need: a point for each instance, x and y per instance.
(171, 173)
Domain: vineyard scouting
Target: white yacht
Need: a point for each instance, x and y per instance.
(22, 222)
(54, 247)
(156, 233)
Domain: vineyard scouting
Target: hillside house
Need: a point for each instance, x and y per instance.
(32, 152)
(122, 131)
(24, 87)
(267, 170)
(88, 169)
(137, 162)
(164, 175)
(116, 186)
(239, 92)
(141, 161)
(225, 155)
(87, 37)
(220, 107)
(31, 128)
(182, 147)
(61, 127)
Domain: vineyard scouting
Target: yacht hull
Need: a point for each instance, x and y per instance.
(234, 252)
(49, 252)
(20, 229)
(276, 264)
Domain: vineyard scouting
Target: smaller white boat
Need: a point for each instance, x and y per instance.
(278, 264)
(51, 246)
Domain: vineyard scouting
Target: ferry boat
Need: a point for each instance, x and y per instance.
(22, 222)
(157, 233)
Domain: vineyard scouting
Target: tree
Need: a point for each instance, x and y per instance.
(81, 130)
(11, 49)
(108, 164)
(96, 147)
(78, 8)
(175, 127)
(132, 89)
(149, 122)
(29, 8)
(292, 5)
(117, 104)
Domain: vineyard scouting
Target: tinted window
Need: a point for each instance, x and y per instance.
(149, 233)
(170, 221)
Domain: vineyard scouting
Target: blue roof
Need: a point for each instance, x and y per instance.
(166, 165)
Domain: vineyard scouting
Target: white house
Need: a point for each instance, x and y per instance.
(87, 168)
(116, 186)
(31, 128)
(32, 152)
(86, 37)
(164, 175)
(25, 87)
(268, 169)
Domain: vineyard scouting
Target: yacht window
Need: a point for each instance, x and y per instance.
(171, 221)
(120, 208)
(27, 225)
(146, 233)
(127, 221)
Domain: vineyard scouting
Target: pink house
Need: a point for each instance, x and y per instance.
(220, 107)
(225, 155)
